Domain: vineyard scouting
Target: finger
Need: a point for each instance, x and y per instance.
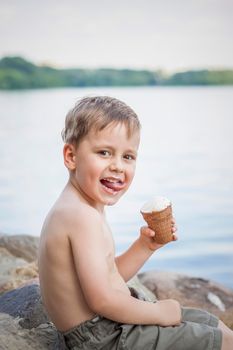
(174, 229)
(151, 233)
(175, 237)
(146, 231)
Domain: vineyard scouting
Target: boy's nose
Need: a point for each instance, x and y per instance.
(116, 165)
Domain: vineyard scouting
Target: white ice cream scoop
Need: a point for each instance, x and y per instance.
(157, 203)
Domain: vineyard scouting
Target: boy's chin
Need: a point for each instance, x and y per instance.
(112, 201)
(111, 204)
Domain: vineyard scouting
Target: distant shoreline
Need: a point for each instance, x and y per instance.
(16, 73)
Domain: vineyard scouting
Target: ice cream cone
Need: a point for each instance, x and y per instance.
(160, 223)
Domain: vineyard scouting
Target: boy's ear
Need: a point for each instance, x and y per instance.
(69, 156)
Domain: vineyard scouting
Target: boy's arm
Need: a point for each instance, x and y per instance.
(101, 290)
(130, 262)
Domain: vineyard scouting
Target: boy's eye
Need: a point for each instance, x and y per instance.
(104, 153)
(129, 157)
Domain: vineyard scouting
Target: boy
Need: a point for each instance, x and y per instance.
(83, 285)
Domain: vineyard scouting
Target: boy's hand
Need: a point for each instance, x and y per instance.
(169, 312)
(147, 236)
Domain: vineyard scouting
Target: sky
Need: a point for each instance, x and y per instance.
(172, 35)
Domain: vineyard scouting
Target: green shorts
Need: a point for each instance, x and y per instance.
(197, 331)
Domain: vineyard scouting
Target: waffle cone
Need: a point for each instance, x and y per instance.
(160, 223)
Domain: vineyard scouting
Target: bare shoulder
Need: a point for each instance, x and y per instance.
(69, 219)
(86, 224)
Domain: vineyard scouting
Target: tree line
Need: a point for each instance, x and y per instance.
(18, 73)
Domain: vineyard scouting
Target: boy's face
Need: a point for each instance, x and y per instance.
(105, 164)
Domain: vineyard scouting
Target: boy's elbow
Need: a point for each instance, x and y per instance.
(99, 303)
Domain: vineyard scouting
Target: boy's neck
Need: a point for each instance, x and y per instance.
(83, 197)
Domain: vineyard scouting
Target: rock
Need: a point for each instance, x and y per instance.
(144, 291)
(21, 246)
(24, 322)
(191, 291)
(14, 271)
(24, 302)
(215, 300)
(14, 337)
(9, 261)
(28, 271)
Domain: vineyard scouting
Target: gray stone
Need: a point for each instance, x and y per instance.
(26, 304)
(14, 271)
(24, 322)
(21, 246)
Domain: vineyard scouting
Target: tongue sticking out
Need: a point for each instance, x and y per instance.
(112, 185)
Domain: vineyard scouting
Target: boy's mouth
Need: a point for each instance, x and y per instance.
(112, 185)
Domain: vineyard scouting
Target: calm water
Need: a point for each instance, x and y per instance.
(186, 154)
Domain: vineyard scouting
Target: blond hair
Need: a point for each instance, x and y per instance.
(97, 113)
